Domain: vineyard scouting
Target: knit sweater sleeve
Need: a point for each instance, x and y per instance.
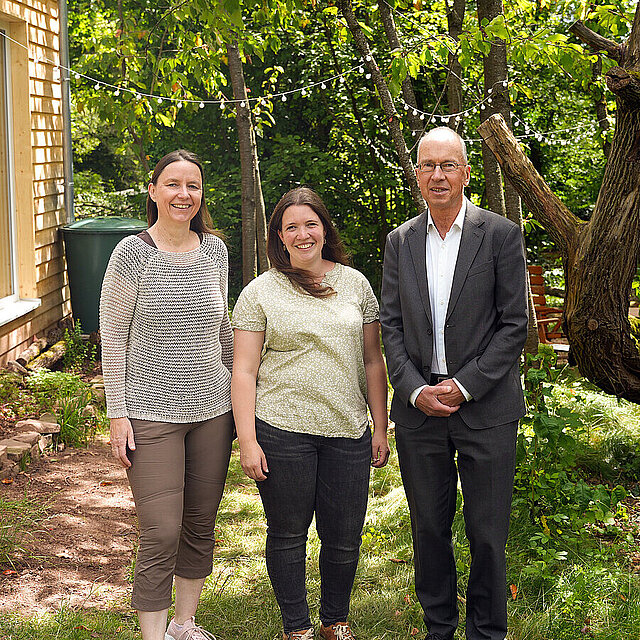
(226, 334)
(117, 304)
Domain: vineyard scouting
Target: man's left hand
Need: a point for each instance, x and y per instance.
(452, 398)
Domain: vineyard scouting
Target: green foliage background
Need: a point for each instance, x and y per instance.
(335, 138)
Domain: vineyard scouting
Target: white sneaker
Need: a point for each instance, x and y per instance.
(188, 631)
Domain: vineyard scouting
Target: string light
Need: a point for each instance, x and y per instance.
(581, 132)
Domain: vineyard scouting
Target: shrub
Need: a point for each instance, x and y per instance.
(66, 395)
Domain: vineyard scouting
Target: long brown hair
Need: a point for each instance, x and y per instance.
(332, 250)
(201, 222)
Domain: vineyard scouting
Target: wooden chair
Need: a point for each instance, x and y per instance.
(549, 319)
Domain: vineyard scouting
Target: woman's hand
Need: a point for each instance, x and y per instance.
(253, 461)
(379, 449)
(121, 437)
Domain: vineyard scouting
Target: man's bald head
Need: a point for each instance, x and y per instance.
(443, 133)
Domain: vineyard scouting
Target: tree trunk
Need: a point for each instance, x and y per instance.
(261, 216)
(495, 72)
(245, 143)
(455, 19)
(599, 256)
(601, 108)
(496, 76)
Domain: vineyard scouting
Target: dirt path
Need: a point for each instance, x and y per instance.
(82, 555)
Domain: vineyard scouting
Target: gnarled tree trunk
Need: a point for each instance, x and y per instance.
(600, 256)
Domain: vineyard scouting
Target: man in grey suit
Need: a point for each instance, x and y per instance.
(454, 322)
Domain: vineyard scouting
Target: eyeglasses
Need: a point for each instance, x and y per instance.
(447, 167)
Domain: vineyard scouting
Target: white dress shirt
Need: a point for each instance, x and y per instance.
(442, 255)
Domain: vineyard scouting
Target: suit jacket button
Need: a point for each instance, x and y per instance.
(429, 332)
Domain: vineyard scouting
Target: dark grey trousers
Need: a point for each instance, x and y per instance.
(486, 465)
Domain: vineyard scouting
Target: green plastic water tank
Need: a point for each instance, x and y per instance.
(88, 245)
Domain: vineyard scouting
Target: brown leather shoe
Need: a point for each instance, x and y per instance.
(337, 631)
(303, 634)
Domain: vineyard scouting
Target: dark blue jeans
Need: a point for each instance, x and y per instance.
(313, 474)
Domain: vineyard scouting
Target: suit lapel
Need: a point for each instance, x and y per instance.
(472, 235)
(418, 248)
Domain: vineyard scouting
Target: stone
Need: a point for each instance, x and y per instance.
(30, 437)
(16, 450)
(38, 425)
(48, 417)
(35, 450)
(3, 455)
(99, 394)
(98, 380)
(46, 442)
(6, 471)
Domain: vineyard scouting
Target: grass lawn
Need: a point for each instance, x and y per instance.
(565, 591)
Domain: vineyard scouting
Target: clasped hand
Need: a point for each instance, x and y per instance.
(440, 400)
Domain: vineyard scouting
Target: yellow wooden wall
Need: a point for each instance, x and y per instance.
(38, 159)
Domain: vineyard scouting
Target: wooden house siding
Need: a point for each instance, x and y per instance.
(37, 108)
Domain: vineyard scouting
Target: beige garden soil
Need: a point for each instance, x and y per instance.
(82, 554)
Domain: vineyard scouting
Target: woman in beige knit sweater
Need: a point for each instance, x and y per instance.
(167, 352)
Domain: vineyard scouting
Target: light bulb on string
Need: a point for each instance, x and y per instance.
(179, 105)
(116, 93)
(284, 98)
(323, 86)
(422, 116)
(201, 105)
(368, 76)
(96, 86)
(222, 105)
(159, 100)
(243, 104)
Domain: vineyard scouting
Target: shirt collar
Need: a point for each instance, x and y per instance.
(458, 222)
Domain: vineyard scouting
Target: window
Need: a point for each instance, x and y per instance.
(17, 249)
(8, 258)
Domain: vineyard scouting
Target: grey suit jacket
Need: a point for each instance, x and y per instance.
(486, 321)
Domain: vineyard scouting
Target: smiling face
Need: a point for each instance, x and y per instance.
(443, 192)
(303, 236)
(177, 192)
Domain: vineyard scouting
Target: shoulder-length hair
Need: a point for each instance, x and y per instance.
(201, 222)
(333, 248)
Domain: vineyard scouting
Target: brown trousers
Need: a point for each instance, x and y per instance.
(177, 476)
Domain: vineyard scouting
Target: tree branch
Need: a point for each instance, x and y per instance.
(633, 43)
(561, 224)
(407, 86)
(624, 85)
(596, 41)
(388, 107)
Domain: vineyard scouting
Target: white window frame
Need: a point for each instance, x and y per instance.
(11, 306)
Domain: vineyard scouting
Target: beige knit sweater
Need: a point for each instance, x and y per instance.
(167, 345)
